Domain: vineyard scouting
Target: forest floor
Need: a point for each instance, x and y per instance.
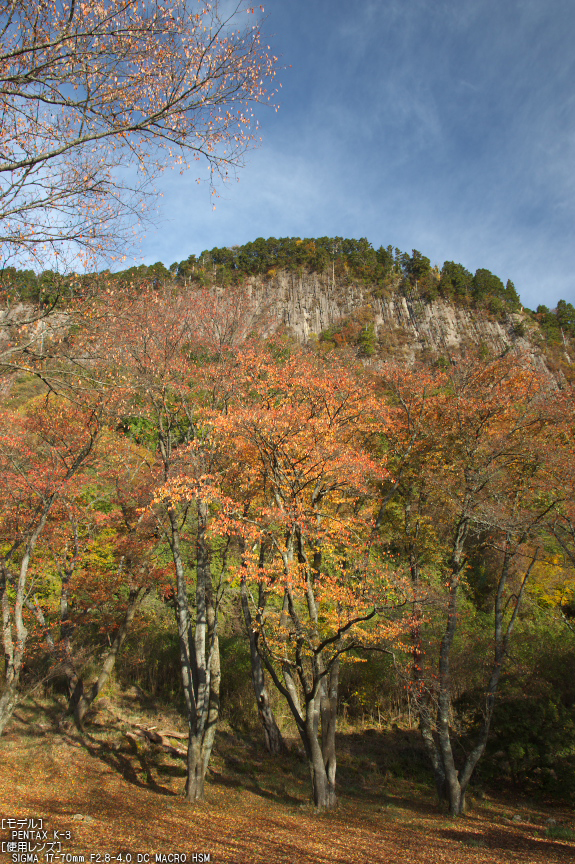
(112, 792)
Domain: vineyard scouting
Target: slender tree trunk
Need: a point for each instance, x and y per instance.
(8, 702)
(12, 662)
(187, 666)
(209, 644)
(14, 631)
(82, 699)
(455, 793)
(319, 745)
(273, 737)
(422, 699)
(420, 690)
(197, 745)
(456, 803)
(452, 783)
(329, 693)
(199, 654)
(66, 627)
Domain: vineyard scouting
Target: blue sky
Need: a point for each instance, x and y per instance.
(447, 126)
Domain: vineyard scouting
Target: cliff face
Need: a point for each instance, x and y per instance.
(405, 326)
(309, 305)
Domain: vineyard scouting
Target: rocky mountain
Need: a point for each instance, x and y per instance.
(382, 302)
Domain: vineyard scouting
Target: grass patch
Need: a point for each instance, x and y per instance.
(475, 842)
(560, 832)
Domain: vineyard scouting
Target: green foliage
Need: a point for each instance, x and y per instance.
(532, 741)
(385, 270)
(533, 744)
(368, 688)
(139, 429)
(20, 284)
(236, 689)
(484, 290)
(265, 257)
(511, 296)
(356, 329)
(367, 340)
(486, 285)
(519, 329)
(42, 289)
(456, 282)
(150, 656)
(416, 266)
(565, 314)
(557, 325)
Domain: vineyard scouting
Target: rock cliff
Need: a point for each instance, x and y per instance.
(404, 325)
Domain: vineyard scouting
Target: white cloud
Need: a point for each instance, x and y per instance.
(445, 126)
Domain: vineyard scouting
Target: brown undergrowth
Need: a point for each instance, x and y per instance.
(119, 794)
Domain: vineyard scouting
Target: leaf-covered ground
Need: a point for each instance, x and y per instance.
(120, 795)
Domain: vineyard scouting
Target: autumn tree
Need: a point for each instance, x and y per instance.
(157, 350)
(42, 453)
(467, 454)
(561, 522)
(298, 474)
(87, 590)
(95, 94)
(103, 550)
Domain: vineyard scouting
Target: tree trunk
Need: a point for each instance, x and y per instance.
(12, 619)
(199, 654)
(455, 793)
(452, 784)
(420, 691)
(195, 780)
(81, 700)
(328, 707)
(8, 702)
(14, 631)
(273, 737)
(323, 785)
(12, 673)
(66, 627)
(204, 649)
(456, 798)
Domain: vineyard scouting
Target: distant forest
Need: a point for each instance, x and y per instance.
(386, 270)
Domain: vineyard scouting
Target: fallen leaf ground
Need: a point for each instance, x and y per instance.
(119, 797)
